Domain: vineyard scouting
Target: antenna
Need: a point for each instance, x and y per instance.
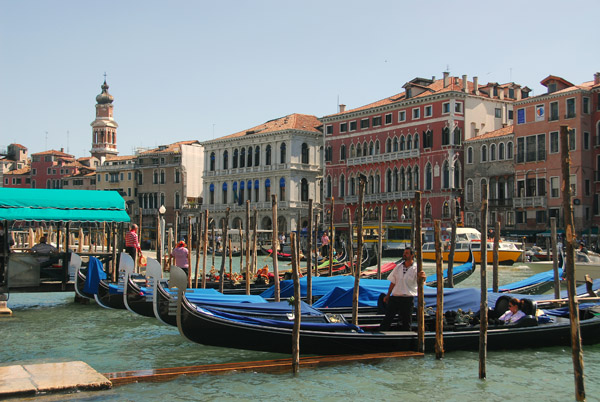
(448, 67)
(67, 141)
(46, 146)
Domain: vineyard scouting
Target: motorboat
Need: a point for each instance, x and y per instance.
(586, 263)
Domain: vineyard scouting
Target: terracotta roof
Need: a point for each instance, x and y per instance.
(171, 148)
(120, 157)
(545, 81)
(23, 170)
(493, 134)
(54, 152)
(19, 146)
(296, 121)
(437, 87)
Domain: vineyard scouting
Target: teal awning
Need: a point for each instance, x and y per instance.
(547, 233)
(25, 204)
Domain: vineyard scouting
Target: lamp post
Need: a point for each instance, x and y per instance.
(161, 213)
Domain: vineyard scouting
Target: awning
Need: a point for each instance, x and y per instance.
(25, 204)
(547, 233)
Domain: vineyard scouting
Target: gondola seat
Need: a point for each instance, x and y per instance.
(529, 307)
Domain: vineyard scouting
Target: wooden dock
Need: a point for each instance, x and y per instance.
(32, 379)
(264, 366)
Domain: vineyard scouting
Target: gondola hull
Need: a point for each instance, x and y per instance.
(199, 325)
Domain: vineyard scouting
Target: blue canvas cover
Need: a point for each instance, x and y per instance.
(219, 298)
(94, 276)
(467, 266)
(320, 286)
(262, 308)
(532, 280)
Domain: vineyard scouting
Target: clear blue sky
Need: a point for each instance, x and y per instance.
(183, 70)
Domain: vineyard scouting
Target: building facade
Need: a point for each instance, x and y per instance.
(49, 167)
(538, 170)
(281, 157)
(411, 141)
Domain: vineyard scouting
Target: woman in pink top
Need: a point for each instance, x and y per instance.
(181, 256)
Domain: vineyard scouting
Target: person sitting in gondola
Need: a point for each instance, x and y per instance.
(402, 291)
(514, 312)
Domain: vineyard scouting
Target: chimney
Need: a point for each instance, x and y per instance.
(446, 75)
(476, 85)
(596, 78)
(433, 78)
(501, 93)
(62, 150)
(342, 108)
(465, 84)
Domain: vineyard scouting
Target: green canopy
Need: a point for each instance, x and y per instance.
(62, 205)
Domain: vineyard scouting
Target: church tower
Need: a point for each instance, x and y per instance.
(104, 128)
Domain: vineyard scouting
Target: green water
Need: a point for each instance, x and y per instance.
(49, 327)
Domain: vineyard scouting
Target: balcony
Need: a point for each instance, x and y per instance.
(500, 202)
(530, 202)
(390, 156)
(382, 197)
(262, 169)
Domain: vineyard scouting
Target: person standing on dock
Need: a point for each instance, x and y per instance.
(325, 245)
(132, 244)
(402, 291)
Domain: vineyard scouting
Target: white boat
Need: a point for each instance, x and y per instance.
(585, 264)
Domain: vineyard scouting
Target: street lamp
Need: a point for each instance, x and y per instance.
(161, 212)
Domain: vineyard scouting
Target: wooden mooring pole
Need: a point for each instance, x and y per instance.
(359, 245)
(439, 312)
(577, 353)
(198, 237)
(496, 256)
(418, 249)
(452, 244)
(275, 246)
(224, 237)
(331, 238)
(204, 249)
(297, 298)
(380, 242)
(483, 309)
(309, 244)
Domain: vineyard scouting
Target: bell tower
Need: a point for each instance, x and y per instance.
(104, 128)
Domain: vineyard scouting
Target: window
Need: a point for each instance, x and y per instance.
(445, 136)
(343, 127)
(484, 153)
(376, 121)
(586, 140)
(572, 144)
(570, 108)
(129, 176)
(470, 155)
(573, 179)
(282, 189)
(553, 111)
(212, 162)
(509, 150)
(498, 113)
(305, 153)
(177, 176)
(492, 152)
(402, 115)
(416, 114)
(458, 107)
(585, 107)
(470, 195)
(364, 123)
(520, 218)
(342, 186)
(428, 111)
(235, 159)
(257, 156)
(282, 154)
(329, 129)
(249, 156)
(353, 126)
(304, 190)
(521, 116)
(554, 143)
(587, 187)
(501, 152)
(328, 154)
(268, 156)
(446, 108)
(388, 118)
(427, 139)
(540, 216)
(343, 152)
(225, 160)
(511, 115)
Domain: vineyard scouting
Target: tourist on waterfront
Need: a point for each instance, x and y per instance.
(325, 245)
(402, 291)
(181, 255)
(132, 244)
(514, 312)
(43, 249)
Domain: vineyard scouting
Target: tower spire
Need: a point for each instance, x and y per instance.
(104, 128)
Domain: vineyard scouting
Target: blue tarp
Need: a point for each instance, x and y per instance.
(260, 308)
(467, 266)
(219, 298)
(320, 285)
(94, 276)
(547, 276)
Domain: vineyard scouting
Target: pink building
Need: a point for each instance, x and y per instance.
(407, 142)
(49, 167)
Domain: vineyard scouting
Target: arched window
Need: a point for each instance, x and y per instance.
(328, 188)
(446, 210)
(257, 156)
(305, 153)
(371, 188)
(470, 155)
(352, 186)
(482, 183)
(409, 142)
(371, 148)
(268, 156)
(457, 136)
(509, 151)
(235, 159)
(343, 152)
(224, 193)
(402, 179)
(416, 178)
(377, 147)
(428, 210)
(358, 150)
(395, 145)
(256, 190)
(395, 179)
(365, 149)
(243, 158)
(282, 154)
(457, 175)
(241, 194)
(409, 178)
(377, 183)
(492, 152)
(342, 186)
(282, 189)
(402, 143)
(225, 160)
(388, 145)
(446, 175)
(501, 151)
(268, 190)
(212, 162)
(445, 136)
(303, 190)
(469, 190)
(249, 187)
(249, 156)
(388, 181)
(428, 177)
(416, 141)
(155, 176)
(211, 194)
(162, 176)
(352, 151)
(484, 153)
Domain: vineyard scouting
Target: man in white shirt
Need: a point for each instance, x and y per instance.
(402, 291)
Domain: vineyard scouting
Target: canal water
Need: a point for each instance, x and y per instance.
(49, 327)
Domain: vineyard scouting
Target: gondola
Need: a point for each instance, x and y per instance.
(216, 328)
(459, 273)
